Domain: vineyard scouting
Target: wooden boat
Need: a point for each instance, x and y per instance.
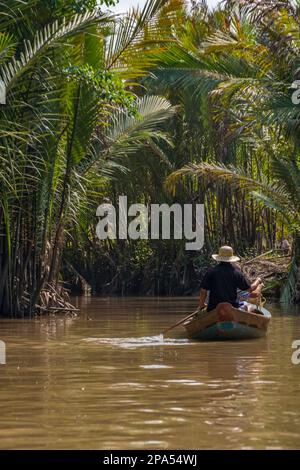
(227, 322)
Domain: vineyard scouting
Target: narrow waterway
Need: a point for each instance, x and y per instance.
(107, 380)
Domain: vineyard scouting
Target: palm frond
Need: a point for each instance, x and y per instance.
(127, 134)
(126, 43)
(47, 38)
(287, 171)
(235, 177)
(7, 47)
(288, 290)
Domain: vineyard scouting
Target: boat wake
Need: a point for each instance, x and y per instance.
(144, 341)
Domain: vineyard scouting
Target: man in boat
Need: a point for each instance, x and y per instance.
(224, 280)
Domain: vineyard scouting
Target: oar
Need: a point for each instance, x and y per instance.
(179, 322)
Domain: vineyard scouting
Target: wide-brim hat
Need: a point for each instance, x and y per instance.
(226, 255)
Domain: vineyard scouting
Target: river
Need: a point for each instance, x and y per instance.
(106, 380)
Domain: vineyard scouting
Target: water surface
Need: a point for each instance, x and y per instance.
(108, 380)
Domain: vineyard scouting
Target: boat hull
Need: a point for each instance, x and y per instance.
(228, 323)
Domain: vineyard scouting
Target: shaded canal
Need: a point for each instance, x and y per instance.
(107, 380)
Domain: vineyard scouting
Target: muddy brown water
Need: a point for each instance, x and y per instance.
(107, 380)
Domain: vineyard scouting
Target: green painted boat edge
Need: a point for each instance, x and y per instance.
(230, 330)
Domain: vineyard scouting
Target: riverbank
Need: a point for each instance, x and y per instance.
(175, 279)
(272, 268)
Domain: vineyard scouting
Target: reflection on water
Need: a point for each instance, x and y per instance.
(108, 380)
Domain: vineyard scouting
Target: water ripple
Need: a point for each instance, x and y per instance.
(133, 343)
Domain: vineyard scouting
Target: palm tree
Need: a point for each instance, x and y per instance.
(281, 195)
(67, 85)
(246, 68)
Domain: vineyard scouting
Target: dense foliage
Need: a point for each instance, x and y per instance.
(69, 115)
(164, 104)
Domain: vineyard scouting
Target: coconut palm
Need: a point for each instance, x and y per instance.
(246, 68)
(66, 81)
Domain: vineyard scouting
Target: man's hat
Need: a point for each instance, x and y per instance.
(226, 255)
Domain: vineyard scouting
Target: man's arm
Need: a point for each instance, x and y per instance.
(256, 292)
(202, 298)
(256, 284)
(254, 289)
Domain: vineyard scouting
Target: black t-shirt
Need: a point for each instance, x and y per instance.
(222, 282)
